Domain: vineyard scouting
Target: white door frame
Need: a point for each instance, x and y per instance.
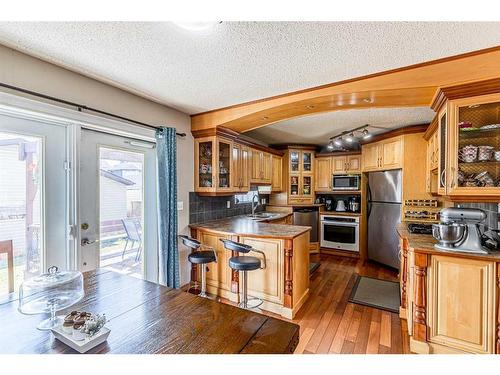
(22, 107)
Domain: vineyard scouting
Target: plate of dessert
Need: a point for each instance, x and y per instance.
(82, 330)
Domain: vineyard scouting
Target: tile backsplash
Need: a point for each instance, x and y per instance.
(492, 210)
(204, 208)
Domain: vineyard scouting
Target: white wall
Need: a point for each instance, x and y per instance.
(30, 73)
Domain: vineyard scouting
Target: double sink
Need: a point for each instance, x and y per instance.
(262, 216)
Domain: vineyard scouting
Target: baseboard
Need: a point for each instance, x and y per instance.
(342, 253)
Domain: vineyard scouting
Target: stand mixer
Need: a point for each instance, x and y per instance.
(459, 230)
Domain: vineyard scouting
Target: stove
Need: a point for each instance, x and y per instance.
(419, 228)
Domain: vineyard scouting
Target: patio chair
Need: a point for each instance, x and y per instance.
(133, 230)
(7, 248)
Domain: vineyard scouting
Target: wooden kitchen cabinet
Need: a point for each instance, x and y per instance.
(346, 164)
(371, 157)
(218, 274)
(213, 165)
(299, 176)
(323, 174)
(432, 157)
(277, 173)
(462, 299)
(472, 167)
(241, 168)
(261, 167)
(267, 283)
(383, 155)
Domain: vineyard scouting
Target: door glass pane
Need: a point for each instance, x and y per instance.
(294, 185)
(306, 185)
(306, 161)
(479, 145)
(224, 164)
(21, 177)
(121, 210)
(205, 153)
(294, 161)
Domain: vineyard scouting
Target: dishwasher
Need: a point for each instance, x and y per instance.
(307, 217)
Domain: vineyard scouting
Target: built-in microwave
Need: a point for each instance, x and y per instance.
(346, 182)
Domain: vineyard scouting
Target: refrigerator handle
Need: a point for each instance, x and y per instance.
(369, 204)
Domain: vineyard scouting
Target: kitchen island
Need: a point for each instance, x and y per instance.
(449, 298)
(147, 318)
(283, 285)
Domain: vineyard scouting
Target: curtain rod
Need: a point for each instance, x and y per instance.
(79, 107)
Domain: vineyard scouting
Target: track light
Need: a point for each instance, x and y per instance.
(350, 137)
(366, 134)
(338, 142)
(330, 145)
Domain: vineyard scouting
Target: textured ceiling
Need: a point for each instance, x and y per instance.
(239, 61)
(317, 129)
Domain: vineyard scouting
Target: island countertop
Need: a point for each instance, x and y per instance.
(243, 226)
(424, 243)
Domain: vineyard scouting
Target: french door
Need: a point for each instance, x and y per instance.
(33, 199)
(117, 205)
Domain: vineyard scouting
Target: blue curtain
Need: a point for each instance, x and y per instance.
(166, 151)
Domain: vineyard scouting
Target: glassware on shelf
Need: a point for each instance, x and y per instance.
(306, 161)
(478, 143)
(50, 292)
(294, 161)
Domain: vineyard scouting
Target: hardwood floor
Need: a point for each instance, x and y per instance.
(330, 324)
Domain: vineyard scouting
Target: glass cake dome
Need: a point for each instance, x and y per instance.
(50, 292)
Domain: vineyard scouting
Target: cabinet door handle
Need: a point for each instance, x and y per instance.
(441, 178)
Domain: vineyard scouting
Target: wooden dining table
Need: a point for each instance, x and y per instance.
(147, 318)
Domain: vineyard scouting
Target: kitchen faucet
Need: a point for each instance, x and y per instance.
(257, 203)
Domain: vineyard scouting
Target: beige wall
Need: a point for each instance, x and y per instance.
(24, 71)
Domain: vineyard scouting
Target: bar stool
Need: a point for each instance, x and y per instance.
(201, 257)
(245, 264)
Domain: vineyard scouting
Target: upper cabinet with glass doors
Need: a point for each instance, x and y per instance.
(213, 165)
(474, 146)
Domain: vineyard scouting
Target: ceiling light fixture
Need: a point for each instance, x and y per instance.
(351, 136)
(197, 26)
(366, 134)
(330, 145)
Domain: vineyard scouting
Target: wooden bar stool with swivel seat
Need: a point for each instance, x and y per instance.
(245, 264)
(201, 257)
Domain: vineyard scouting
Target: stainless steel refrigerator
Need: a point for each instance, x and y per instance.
(384, 213)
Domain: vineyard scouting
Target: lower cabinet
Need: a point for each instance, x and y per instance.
(267, 283)
(461, 303)
(217, 277)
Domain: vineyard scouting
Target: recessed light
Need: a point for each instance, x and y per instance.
(309, 106)
(474, 106)
(265, 118)
(368, 100)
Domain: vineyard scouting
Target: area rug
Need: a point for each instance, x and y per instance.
(381, 294)
(313, 267)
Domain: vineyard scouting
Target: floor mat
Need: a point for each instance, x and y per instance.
(381, 294)
(313, 267)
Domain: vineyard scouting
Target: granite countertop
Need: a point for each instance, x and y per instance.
(244, 226)
(424, 243)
